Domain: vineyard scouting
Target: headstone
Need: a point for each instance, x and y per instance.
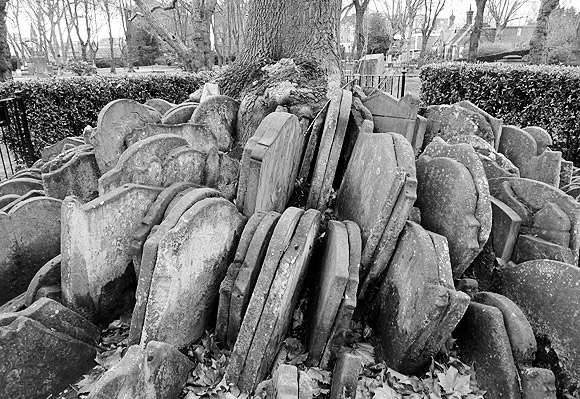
(496, 124)
(448, 121)
(529, 247)
(504, 230)
(417, 305)
(19, 186)
(7, 199)
(419, 134)
(180, 204)
(47, 275)
(391, 115)
(448, 199)
(345, 376)
(116, 120)
(285, 382)
(548, 293)
(192, 260)
(518, 328)
(52, 151)
(158, 371)
(272, 165)
(524, 151)
(30, 236)
(280, 240)
(181, 113)
(483, 341)
(94, 272)
(372, 64)
(209, 90)
(313, 136)
(22, 198)
(31, 173)
(229, 170)
(528, 197)
(37, 362)
(331, 281)
(197, 136)
(160, 105)
(74, 173)
(218, 114)
(566, 169)
(146, 162)
(541, 136)
(537, 383)
(279, 307)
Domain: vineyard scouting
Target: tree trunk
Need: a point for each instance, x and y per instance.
(107, 8)
(476, 30)
(360, 7)
(574, 57)
(538, 41)
(5, 64)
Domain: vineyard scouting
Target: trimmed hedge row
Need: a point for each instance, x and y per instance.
(523, 95)
(61, 107)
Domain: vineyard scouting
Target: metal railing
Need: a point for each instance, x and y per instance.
(392, 84)
(15, 142)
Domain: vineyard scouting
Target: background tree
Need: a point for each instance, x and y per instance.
(360, 7)
(5, 65)
(108, 9)
(574, 58)
(561, 35)
(539, 37)
(146, 44)
(476, 30)
(503, 12)
(379, 40)
(431, 9)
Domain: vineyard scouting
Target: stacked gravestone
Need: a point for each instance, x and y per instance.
(178, 114)
(378, 192)
(50, 152)
(218, 114)
(274, 297)
(269, 165)
(160, 105)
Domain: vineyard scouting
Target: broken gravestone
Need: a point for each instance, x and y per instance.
(505, 228)
(495, 123)
(417, 305)
(269, 165)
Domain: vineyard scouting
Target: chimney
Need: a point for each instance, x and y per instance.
(451, 19)
(469, 16)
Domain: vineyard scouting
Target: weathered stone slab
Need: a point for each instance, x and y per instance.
(142, 163)
(282, 298)
(285, 382)
(324, 149)
(209, 90)
(248, 274)
(229, 170)
(192, 260)
(548, 293)
(313, 135)
(30, 236)
(566, 169)
(218, 114)
(7, 199)
(181, 203)
(330, 288)
(495, 123)
(93, 270)
(541, 136)
(419, 134)
(74, 173)
(37, 362)
(519, 330)
(391, 114)
(53, 292)
(181, 113)
(346, 309)
(31, 173)
(158, 371)
(50, 152)
(417, 305)
(19, 186)
(47, 275)
(197, 136)
(274, 163)
(280, 240)
(227, 284)
(345, 376)
(504, 230)
(533, 161)
(22, 198)
(537, 383)
(447, 197)
(160, 105)
(335, 151)
(116, 120)
(528, 197)
(529, 247)
(483, 341)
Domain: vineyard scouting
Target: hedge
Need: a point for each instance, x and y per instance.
(522, 95)
(62, 107)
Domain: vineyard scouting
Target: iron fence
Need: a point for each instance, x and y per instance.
(393, 84)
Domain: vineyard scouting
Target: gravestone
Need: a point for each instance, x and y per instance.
(181, 113)
(345, 376)
(209, 90)
(197, 136)
(47, 275)
(160, 105)
(271, 163)
(541, 136)
(392, 115)
(50, 152)
(94, 272)
(311, 145)
(19, 186)
(417, 305)
(116, 120)
(192, 260)
(74, 173)
(504, 229)
(566, 169)
(285, 382)
(218, 114)
(495, 123)
(30, 236)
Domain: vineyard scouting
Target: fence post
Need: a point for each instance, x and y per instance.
(25, 134)
(403, 79)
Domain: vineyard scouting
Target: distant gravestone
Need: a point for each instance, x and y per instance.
(391, 115)
(192, 259)
(218, 114)
(116, 120)
(94, 271)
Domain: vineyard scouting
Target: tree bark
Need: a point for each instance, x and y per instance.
(5, 64)
(360, 7)
(574, 58)
(107, 9)
(538, 41)
(476, 30)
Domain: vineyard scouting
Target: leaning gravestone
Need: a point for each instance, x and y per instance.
(73, 173)
(392, 115)
(192, 259)
(160, 105)
(48, 275)
(96, 249)
(197, 136)
(116, 120)
(496, 124)
(50, 152)
(418, 307)
(218, 114)
(30, 236)
(179, 114)
(19, 186)
(272, 165)
(505, 228)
